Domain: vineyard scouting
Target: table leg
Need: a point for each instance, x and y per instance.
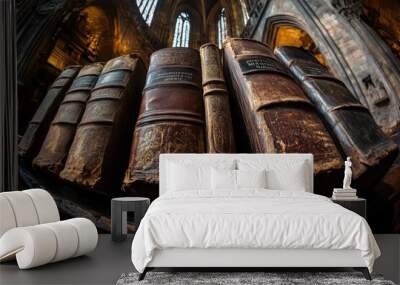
(140, 211)
(117, 217)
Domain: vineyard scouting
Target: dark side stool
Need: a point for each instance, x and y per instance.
(357, 205)
(119, 208)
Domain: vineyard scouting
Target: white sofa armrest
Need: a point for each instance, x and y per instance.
(40, 244)
(26, 208)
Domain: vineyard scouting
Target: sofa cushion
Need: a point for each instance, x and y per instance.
(24, 211)
(45, 205)
(41, 244)
(26, 208)
(7, 220)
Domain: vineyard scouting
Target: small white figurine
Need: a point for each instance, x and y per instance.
(347, 174)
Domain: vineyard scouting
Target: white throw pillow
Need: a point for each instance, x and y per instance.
(291, 179)
(281, 174)
(251, 178)
(193, 174)
(182, 177)
(230, 180)
(223, 179)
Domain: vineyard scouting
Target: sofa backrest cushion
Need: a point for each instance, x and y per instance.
(26, 208)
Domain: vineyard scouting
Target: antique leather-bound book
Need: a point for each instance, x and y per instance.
(278, 116)
(99, 152)
(219, 129)
(355, 129)
(171, 117)
(34, 135)
(54, 151)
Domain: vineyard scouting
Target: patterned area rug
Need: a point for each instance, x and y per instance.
(242, 278)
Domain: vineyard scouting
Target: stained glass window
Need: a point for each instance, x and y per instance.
(182, 31)
(221, 28)
(244, 11)
(147, 8)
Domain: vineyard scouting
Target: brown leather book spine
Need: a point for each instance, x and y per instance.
(99, 152)
(171, 118)
(34, 135)
(278, 116)
(219, 129)
(358, 134)
(54, 151)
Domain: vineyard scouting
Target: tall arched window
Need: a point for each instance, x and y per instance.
(147, 8)
(244, 11)
(182, 30)
(221, 28)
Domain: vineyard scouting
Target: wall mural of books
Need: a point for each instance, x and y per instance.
(100, 128)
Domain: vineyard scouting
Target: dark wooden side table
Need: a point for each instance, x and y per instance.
(358, 205)
(119, 208)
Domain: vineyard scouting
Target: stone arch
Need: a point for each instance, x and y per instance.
(212, 22)
(273, 30)
(273, 22)
(354, 53)
(335, 59)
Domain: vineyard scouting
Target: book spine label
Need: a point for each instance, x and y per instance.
(114, 78)
(254, 64)
(173, 76)
(85, 83)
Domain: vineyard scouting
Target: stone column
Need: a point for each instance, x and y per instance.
(382, 83)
